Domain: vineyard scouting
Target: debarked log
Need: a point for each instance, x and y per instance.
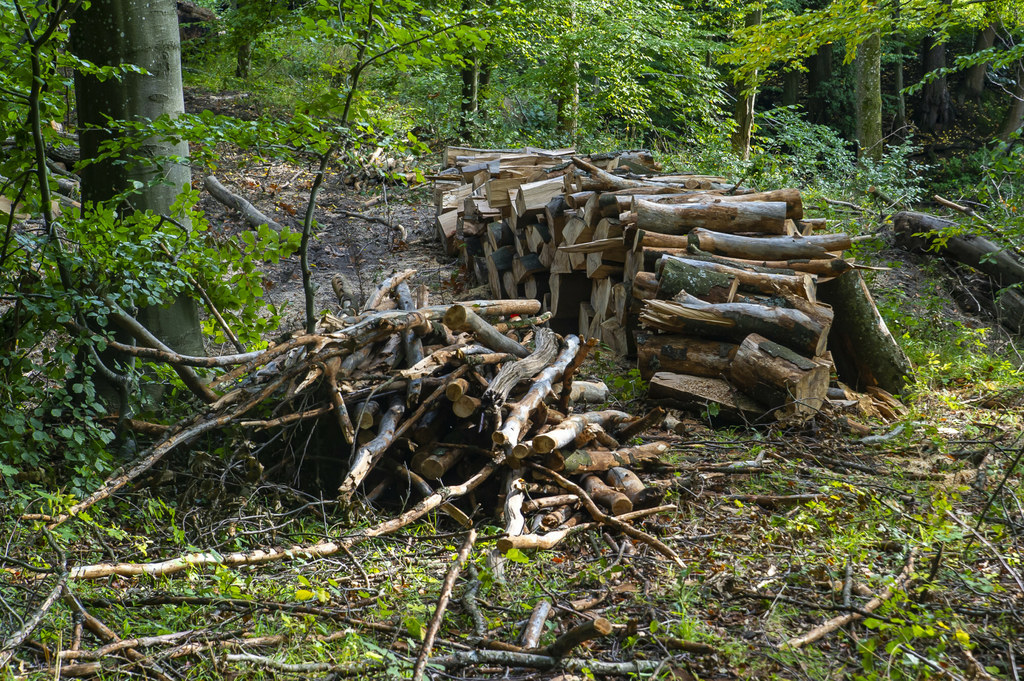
(568, 430)
(768, 217)
(793, 328)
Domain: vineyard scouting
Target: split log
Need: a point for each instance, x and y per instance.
(806, 333)
(682, 355)
(588, 392)
(597, 460)
(509, 376)
(864, 351)
(711, 396)
(779, 378)
(508, 435)
(613, 500)
(815, 247)
(368, 455)
(765, 216)
(446, 225)
(640, 495)
(701, 279)
(569, 429)
(252, 216)
(978, 252)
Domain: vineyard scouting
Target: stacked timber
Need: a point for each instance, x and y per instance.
(713, 288)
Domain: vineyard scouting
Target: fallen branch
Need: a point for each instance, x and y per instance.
(442, 604)
(252, 216)
(902, 580)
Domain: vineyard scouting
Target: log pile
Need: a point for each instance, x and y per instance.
(713, 288)
(465, 408)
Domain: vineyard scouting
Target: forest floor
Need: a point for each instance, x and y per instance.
(809, 552)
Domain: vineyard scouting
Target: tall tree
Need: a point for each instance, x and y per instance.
(935, 110)
(1014, 117)
(144, 33)
(974, 79)
(869, 97)
(745, 101)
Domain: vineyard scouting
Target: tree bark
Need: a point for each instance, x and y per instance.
(768, 217)
(699, 278)
(779, 378)
(745, 104)
(974, 79)
(864, 351)
(682, 355)
(814, 247)
(819, 71)
(144, 33)
(1015, 113)
(869, 97)
(935, 110)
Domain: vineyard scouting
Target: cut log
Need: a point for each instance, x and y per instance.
(532, 197)
(564, 433)
(438, 462)
(463, 318)
(555, 216)
(735, 321)
(702, 279)
(526, 266)
(368, 455)
(640, 496)
(446, 225)
(864, 352)
(613, 500)
(815, 247)
(791, 197)
(682, 355)
(779, 378)
(567, 292)
(978, 252)
(832, 267)
(1010, 309)
(713, 397)
(768, 217)
(598, 460)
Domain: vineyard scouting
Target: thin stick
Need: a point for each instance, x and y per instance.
(442, 604)
(872, 605)
(602, 517)
(577, 361)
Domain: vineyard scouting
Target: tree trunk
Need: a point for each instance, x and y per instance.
(790, 87)
(819, 71)
(470, 102)
(745, 105)
(974, 79)
(144, 33)
(701, 278)
(864, 351)
(869, 97)
(1015, 114)
(935, 110)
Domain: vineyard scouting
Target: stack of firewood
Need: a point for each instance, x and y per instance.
(713, 287)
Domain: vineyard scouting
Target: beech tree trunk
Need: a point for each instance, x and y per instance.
(974, 79)
(819, 71)
(935, 110)
(144, 33)
(745, 104)
(1015, 113)
(869, 97)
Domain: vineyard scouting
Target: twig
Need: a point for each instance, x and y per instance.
(576, 363)
(988, 545)
(578, 635)
(442, 604)
(12, 642)
(351, 669)
(252, 216)
(535, 625)
(831, 625)
(602, 517)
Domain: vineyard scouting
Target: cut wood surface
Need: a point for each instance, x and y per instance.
(707, 396)
(779, 378)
